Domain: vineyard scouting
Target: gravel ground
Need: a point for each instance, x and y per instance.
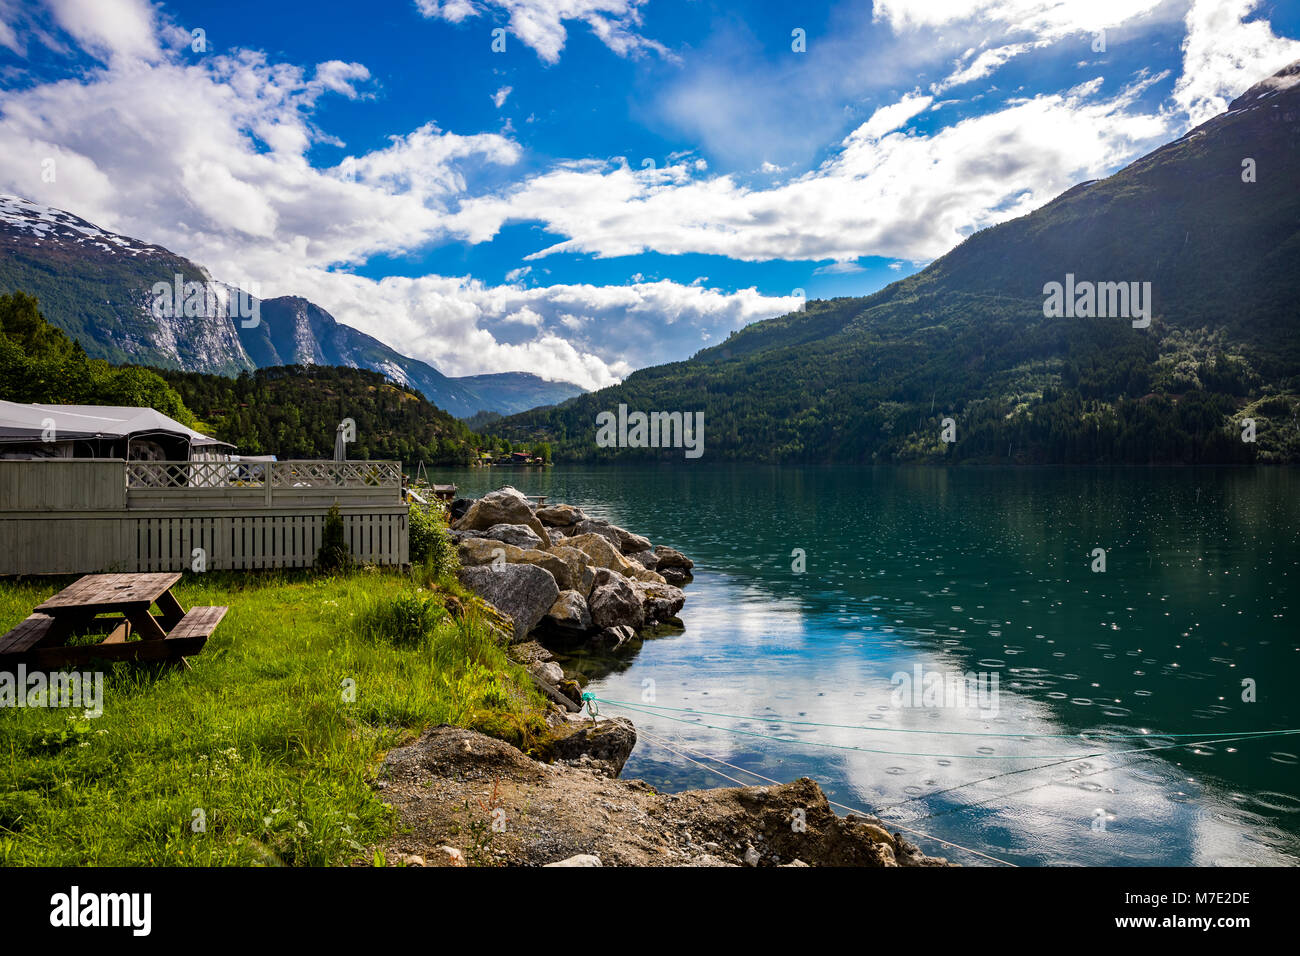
(467, 799)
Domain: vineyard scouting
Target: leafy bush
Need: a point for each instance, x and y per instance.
(431, 546)
(333, 554)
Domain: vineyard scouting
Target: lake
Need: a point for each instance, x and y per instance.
(817, 589)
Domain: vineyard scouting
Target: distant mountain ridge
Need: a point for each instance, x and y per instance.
(97, 286)
(1210, 220)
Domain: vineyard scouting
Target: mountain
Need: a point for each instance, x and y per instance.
(1211, 221)
(290, 411)
(519, 391)
(97, 286)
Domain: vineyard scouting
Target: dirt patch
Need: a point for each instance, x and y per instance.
(484, 799)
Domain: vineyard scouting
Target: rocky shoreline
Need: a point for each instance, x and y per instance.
(561, 579)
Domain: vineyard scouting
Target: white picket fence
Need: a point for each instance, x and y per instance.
(79, 516)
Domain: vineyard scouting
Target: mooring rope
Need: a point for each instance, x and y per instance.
(663, 743)
(1102, 735)
(1253, 735)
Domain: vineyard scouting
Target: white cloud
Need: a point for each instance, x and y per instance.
(1223, 56)
(499, 97)
(983, 65)
(208, 159)
(9, 39)
(1043, 18)
(577, 332)
(540, 24)
(891, 117)
(109, 28)
(884, 192)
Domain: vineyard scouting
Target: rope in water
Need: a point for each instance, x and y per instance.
(905, 753)
(663, 743)
(1141, 752)
(1101, 735)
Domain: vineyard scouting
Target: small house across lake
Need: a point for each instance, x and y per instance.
(94, 488)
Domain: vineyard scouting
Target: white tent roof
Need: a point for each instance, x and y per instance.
(26, 422)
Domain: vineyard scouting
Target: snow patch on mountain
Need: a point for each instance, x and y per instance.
(46, 222)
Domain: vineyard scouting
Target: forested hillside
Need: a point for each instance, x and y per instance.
(872, 379)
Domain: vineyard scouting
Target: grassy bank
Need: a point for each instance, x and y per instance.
(260, 736)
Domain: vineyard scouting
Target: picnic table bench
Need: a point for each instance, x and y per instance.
(170, 636)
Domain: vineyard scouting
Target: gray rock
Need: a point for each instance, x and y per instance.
(503, 506)
(625, 541)
(569, 613)
(647, 559)
(633, 543)
(549, 671)
(582, 859)
(661, 602)
(530, 652)
(671, 558)
(676, 576)
(524, 591)
(475, 550)
(607, 742)
(559, 516)
(601, 527)
(580, 575)
(616, 603)
(601, 553)
(520, 535)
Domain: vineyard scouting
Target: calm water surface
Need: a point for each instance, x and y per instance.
(988, 572)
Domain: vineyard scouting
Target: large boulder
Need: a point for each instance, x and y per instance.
(569, 614)
(659, 601)
(633, 543)
(601, 553)
(604, 744)
(559, 516)
(524, 591)
(673, 565)
(520, 535)
(649, 577)
(581, 575)
(647, 559)
(503, 506)
(558, 567)
(625, 541)
(475, 551)
(596, 526)
(671, 558)
(616, 603)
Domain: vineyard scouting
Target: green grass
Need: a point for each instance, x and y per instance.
(260, 735)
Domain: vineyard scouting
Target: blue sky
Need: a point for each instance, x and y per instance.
(489, 211)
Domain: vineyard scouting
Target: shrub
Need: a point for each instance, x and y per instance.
(333, 554)
(404, 621)
(431, 546)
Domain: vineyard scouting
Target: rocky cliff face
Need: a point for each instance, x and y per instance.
(97, 286)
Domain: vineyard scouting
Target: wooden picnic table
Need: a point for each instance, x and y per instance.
(171, 635)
